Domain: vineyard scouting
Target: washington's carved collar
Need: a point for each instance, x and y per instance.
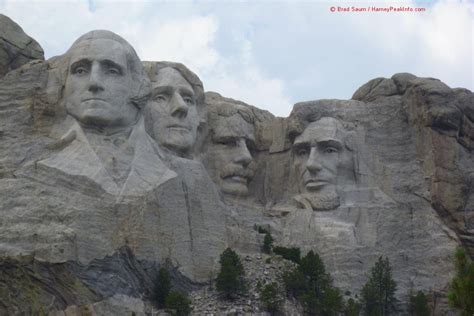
(121, 165)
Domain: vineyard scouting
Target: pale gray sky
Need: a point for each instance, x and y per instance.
(272, 54)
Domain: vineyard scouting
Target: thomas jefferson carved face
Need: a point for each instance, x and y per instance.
(321, 158)
(173, 112)
(229, 162)
(98, 84)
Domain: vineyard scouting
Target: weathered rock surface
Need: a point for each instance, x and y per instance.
(442, 121)
(90, 212)
(259, 271)
(16, 47)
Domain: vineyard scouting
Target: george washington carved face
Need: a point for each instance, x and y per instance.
(99, 83)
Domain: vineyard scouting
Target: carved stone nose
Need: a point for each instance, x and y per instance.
(95, 87)
(313, 164)
(243, 156)
(95, 84)
(179, 108)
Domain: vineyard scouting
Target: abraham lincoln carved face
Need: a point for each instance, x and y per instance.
(322, 160)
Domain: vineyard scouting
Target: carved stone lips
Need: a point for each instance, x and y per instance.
(237, 178)
(93, 99)
(179, 127)
(237, 174)
(315, 183)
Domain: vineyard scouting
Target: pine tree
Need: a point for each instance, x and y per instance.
(352, 308)
(461, 294)
(267, 243)
(312, 286)
(295, 283)
(378, 294)
(419, 305)
(178, 303)
(230, 279)
(162, 287)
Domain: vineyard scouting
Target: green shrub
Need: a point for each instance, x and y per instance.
(260, 229)
(162, 287)
(178, 304)
(461, 293)
(292, 254)
(270, 297)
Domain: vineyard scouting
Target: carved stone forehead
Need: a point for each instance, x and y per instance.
(99, 49)
(170, 77)
(326, 128)
(232, 126)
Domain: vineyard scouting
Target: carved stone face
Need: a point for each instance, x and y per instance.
(229, 154)
(97, 90)
(174, 114)
(321, 158)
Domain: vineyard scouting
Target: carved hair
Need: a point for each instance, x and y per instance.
(153, 68)
(227, 109)
(140, 84)
(222, 109)
(304, 114)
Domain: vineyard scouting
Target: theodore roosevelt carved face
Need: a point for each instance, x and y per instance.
(228, 150)
(322, 161)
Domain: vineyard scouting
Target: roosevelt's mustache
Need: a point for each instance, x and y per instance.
(230, 170)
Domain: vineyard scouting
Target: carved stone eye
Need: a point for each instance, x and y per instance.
(331, 150)
(302, 151)
(230, 142)
(113, 71)
(79, 70)
(188, 100)
(160, 97)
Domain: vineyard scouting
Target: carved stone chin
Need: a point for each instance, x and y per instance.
(318, 202)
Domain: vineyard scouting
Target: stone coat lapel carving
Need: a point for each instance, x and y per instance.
(79, 160)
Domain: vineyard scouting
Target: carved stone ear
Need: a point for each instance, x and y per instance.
(202, 115)
(350, 141)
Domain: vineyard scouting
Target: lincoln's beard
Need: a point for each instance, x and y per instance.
(318, 201)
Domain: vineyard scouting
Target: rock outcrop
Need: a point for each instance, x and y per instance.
(111, 168)
(16, 48)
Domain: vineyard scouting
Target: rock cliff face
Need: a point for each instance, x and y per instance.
(16, 48)
(110, 169)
